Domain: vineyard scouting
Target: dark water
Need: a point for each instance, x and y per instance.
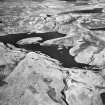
(52, 51)
(98, 29)
(13, 38)
(62, 55)
(96, 10)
